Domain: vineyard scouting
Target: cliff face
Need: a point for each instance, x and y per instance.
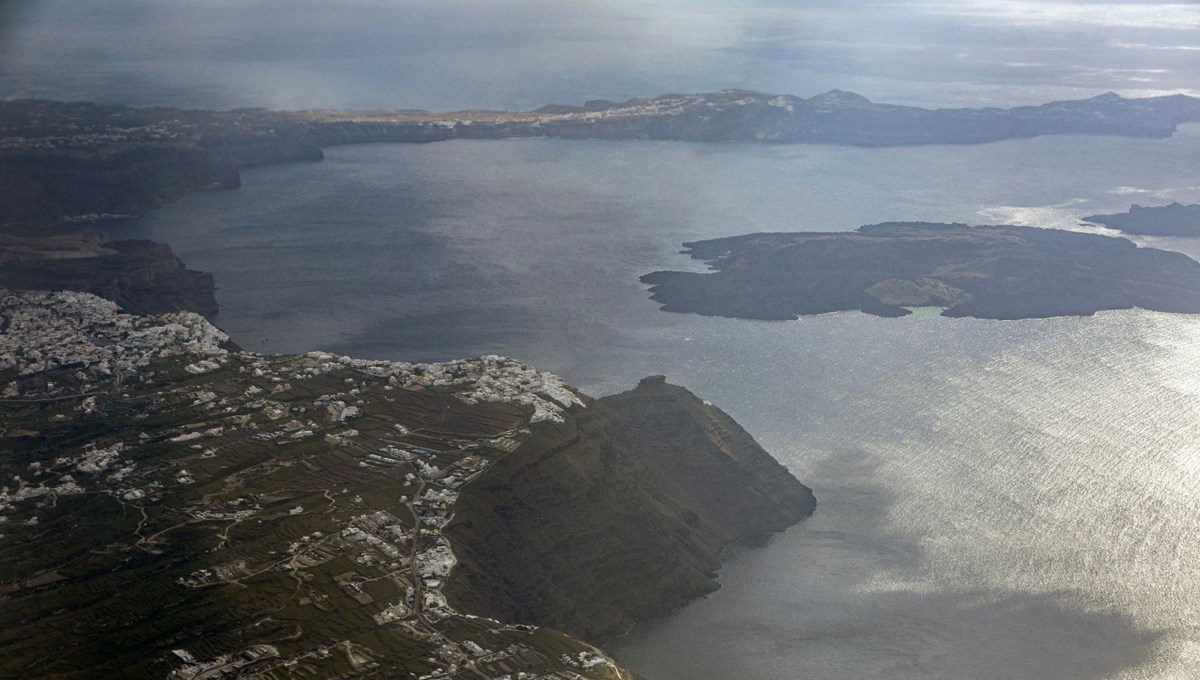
(617, 515)
(351, 132)
(142, 277)
(276, 516)
(41, 189)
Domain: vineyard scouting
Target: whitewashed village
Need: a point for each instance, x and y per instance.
(315, 489)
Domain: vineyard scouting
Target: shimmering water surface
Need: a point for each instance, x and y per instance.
(997, 499)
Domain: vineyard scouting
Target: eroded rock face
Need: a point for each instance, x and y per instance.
(618, 514)
(142, 277)
(55, 186)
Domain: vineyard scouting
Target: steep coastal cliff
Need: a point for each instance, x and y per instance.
(39, 189)
(142, 277)
(617, 515)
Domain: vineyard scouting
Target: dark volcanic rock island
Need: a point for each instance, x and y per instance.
(994, 272)
(1164, 220)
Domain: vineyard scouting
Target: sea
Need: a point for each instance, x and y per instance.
(996, 499)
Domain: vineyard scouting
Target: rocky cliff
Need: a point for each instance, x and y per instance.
(617, 515)
(142, 277)
(1175, 219)
(38, 189)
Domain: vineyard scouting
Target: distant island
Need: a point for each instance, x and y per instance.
(175, 508)
(62, 162)
(72, 163)
(994, 272)
(1165, 220)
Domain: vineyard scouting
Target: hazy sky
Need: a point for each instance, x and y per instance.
(524, 53)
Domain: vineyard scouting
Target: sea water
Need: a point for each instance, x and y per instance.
(997, 499)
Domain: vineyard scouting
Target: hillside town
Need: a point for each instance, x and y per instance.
(308, 494)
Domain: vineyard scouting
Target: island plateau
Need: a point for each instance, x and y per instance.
(176, 508)
(64, 163)
(1164, 220)
(994, 272)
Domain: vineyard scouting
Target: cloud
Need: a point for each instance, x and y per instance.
(524, 53)
(1171, 16)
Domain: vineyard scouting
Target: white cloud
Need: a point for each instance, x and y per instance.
(1177, 16)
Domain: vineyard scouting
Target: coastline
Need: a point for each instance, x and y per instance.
(398, 468)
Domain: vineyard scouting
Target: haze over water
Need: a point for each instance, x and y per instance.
(522, 54)
(996, 499)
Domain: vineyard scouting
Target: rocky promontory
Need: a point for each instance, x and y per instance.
(1164, 220)
(142, 277)
(995, 272)
(645, 488)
